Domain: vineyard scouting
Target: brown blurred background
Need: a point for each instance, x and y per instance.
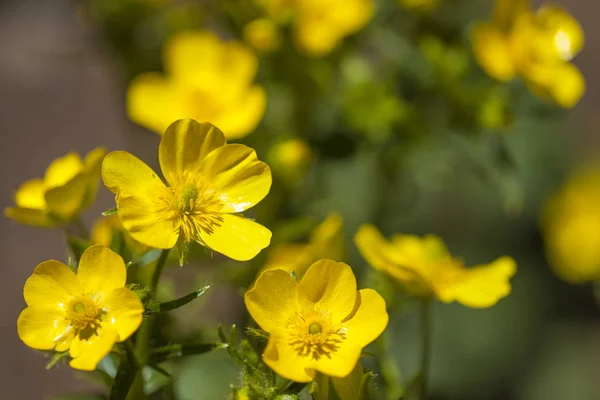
(60, 90)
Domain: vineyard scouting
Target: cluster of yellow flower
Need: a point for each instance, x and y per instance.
(316, 319)
(538, 46)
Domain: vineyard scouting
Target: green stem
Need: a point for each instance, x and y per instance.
(142, 343)
(160, 264)
(126, 375)
(426, 331)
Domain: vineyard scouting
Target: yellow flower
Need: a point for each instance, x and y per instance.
(104, 231)
(537, 46)
(69, 185)
(425, 267)
(320, 26)
(325, 241)
(209, 182)
(206, 79)
(263, 35)
(571, 227)
(86, 313)
(320, 324)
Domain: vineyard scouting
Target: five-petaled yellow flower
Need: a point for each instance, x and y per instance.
(86, 313)
(425, 267)
(320, 324)
(206, 79)
(209, 181)
(537, 46)
(69, 185)
(326, 241)
(571, 227)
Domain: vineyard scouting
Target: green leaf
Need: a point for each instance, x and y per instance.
(169, 352)
(153, 308)
(56, 358)
(109, 213)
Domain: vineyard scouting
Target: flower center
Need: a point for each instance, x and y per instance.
(313, 335)
(194, 205)
(85, 315)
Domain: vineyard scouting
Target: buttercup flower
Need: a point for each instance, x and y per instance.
(425, 267)
(571, 227)
(206, 79)
(209, 181)
(262, 34)
(326, 241)
(319, 26)
(537, 46)
(320, 324)
(69, 186)
(86, 313)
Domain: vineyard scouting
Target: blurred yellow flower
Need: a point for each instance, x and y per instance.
(105, 230)
(290, 160)
(320, 324)
(86, 313)
(537, 46)
(69, 186)
(206, 79)
(262, 34)
(320, 26)
(571, 227)
(209, 182)
(325, 241)
(425, 267)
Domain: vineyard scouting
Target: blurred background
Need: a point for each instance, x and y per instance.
(399, 135)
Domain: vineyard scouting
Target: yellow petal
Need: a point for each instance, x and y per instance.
(272, 299)
(28, 216)
(330, 285)
(562, 36)
(379, 253)
(492, 52)
(563, 83)
(290, 257)
(101, 270)
(152, 102)
(369, 318)
(192, 57)
(88, 353)
(67, 200)
(125, 310)
(284, 360)
(52, 284)
(102, 230)
(243, 114)
(147, 225)
(184, 145)
(126, 175)
(39, 327)
(62, 170)
(31, 195)
(140, 200)
(316, 40)
(478, 287)
(93, 164)
(327, 238)
(340, 363)
(238, 177)
(239, 64)
(238, 238)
